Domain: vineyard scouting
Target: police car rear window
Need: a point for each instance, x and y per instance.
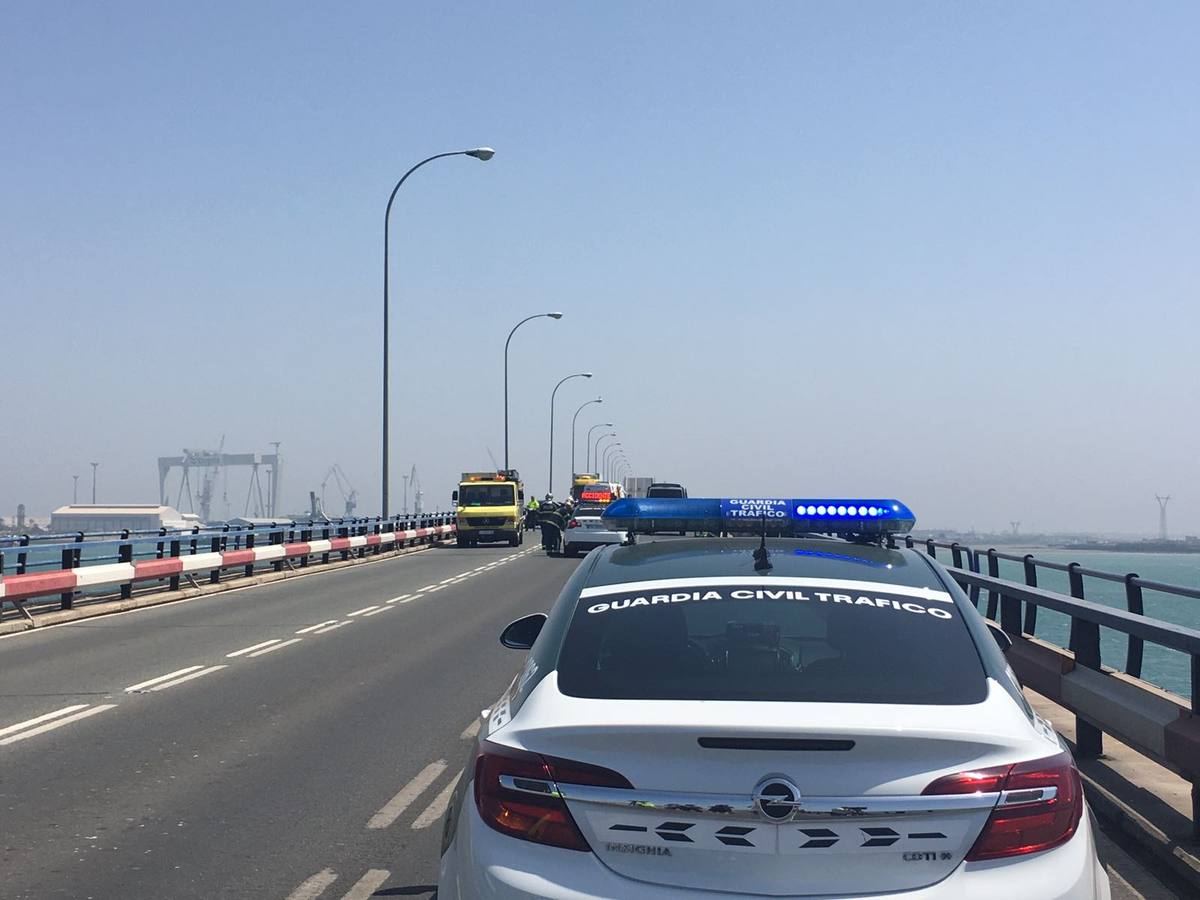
(790, 640)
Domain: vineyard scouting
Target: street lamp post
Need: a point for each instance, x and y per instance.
(596, 451)
(587, 465)
(574, 418)
(549, 315)
(481, 153)
(94, 465)
(607, 461)
(550, 485)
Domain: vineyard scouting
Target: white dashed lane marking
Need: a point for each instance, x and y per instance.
(275, 647)
(470, 731)
(433, 812)
(314, 887)
(359, 612)
(37, 720)
(145, 684)
(393, 809)
(401, 598)
(318, 626)
(376, 612)
(251, 648)
(367, 885)
(332, 627)
(51, 725)
(199, 674)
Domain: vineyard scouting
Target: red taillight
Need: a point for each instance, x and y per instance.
(525, 815)
(574, 523)
(1022, 823)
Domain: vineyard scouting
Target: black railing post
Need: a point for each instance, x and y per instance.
(1031, 580)
(173, 584)
(325, 537)
(1075, 577)
(214, 577)
(305, 537)
(931, 548)
(249, 570)
(1010, 614)
(1085, 644)
(276, 538)
(1196, 780)
(125, 555)
(973, 564)
(993, 601)
(23, 556)
(956, 555)
(1133, 650)
(70, 560)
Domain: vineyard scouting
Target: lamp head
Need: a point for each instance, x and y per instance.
(483, 153)
(555, 315)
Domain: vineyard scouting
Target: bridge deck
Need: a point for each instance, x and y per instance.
(234, 745)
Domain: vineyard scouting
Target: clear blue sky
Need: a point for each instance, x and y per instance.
(943, 251)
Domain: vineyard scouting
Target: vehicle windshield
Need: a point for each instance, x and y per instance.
(746, 643)
(486, 495)
(664, 491)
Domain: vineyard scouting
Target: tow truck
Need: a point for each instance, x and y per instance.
(488, 508)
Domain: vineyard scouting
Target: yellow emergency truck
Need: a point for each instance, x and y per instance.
(489, 506)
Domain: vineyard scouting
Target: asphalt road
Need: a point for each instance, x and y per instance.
(294, 740)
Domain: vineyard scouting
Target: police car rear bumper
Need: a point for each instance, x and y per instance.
(482, 864)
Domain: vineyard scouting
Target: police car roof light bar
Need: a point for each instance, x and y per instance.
(841, 516)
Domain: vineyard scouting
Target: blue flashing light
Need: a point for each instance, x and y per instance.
(844, 516)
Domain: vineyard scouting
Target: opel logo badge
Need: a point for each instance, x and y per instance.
(776, 799)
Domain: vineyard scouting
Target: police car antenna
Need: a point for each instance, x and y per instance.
(762, 559)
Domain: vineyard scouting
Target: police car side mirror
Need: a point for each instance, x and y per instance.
(521, 634)
(1003, 641)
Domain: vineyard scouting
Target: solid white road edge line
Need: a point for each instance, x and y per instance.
(275, 647)
(58, 723)
(410, 792)
(366, 886)
(29, 723)
(167, 677)
(314, 886)
(434, 810)
(252, 648)
(315, 627)
(208, 671)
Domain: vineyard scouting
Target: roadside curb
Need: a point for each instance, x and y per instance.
(1181, 860)
(58, 617)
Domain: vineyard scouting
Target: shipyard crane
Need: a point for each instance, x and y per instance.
(411, 478)
(347, 490)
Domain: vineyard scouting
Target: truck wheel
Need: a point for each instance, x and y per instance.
(514, 540)
(460, 541)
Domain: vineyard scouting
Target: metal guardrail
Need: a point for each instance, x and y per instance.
(1127, 708)
(41, 565)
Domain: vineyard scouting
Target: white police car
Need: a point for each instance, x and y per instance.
(769, 716)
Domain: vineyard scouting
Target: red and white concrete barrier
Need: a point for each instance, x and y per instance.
(61, 581)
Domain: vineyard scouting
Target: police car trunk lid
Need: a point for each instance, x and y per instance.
(857, 825)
